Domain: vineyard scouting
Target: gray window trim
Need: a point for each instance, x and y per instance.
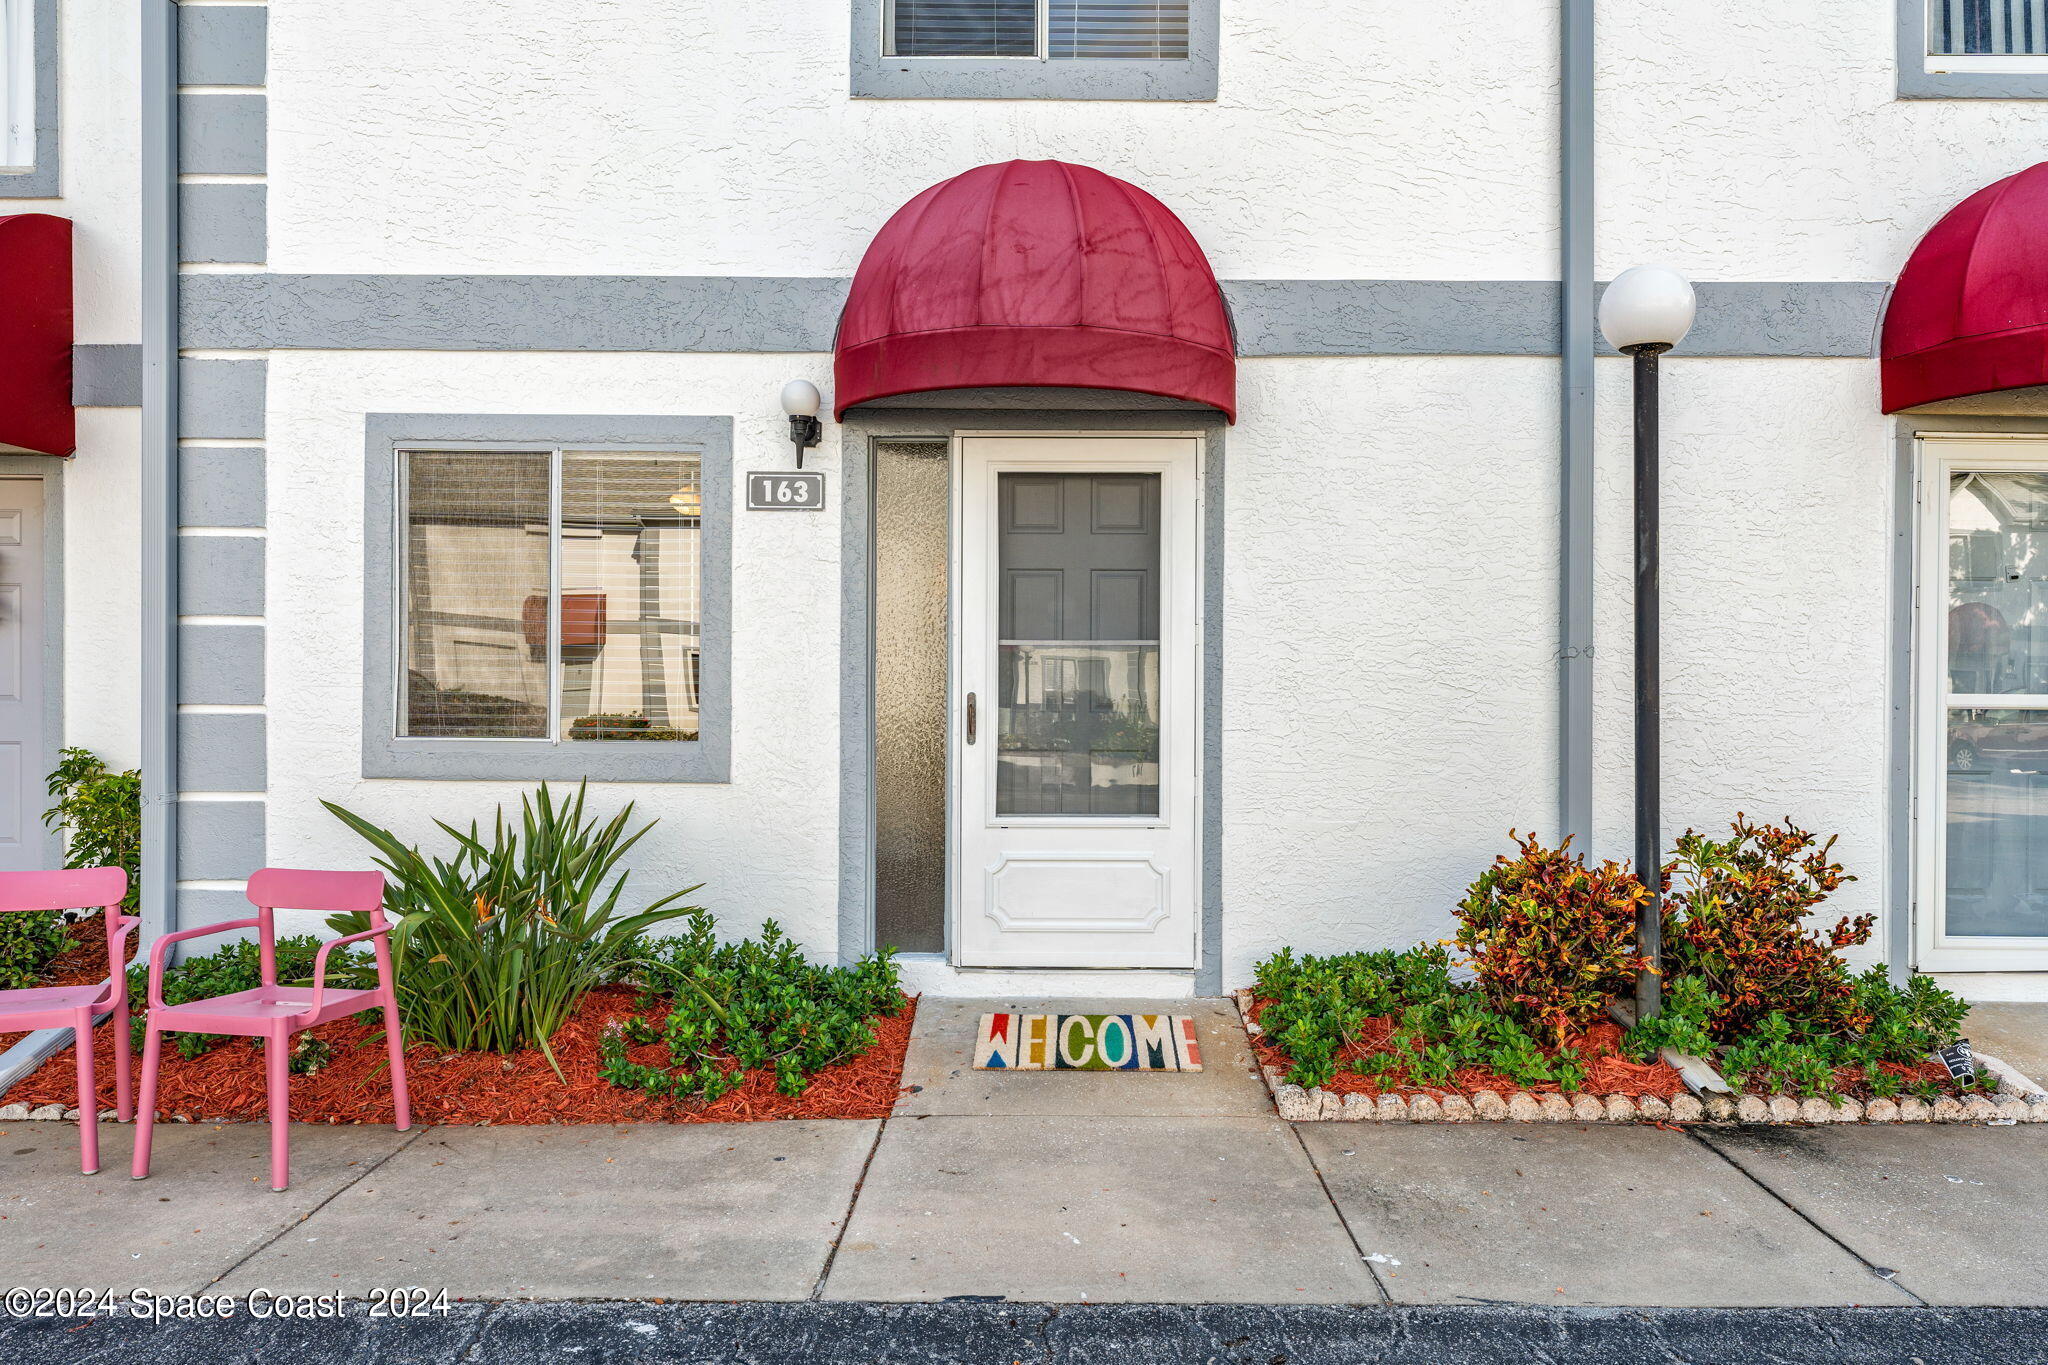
(875, 76)
(706, 759)
(40, 182)
(1916, 82)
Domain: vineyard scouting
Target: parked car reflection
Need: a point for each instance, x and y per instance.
(1999, 741)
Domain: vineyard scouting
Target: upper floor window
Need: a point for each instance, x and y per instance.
(18, 84)
(1035, 49)
(1984, 49)
(1062, 30)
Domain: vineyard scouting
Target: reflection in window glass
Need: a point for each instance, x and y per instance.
(480, 658)
(630, 525)
(476, 551)
(1998, 582)
(1997, 824)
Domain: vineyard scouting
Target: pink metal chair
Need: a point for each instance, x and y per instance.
(74, 1007)
(274, 1012)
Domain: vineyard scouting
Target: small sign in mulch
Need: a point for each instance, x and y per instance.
(1087, 1042)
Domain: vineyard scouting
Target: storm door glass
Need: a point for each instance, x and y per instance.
(1996, 706)
(1077, 723)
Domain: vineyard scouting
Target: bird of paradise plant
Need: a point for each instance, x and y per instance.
(495, 946)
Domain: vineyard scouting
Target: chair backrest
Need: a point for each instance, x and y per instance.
(79, 888)
(291, 888)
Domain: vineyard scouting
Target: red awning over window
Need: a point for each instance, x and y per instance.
(35, 335)
(1970, 312)
(1035, 274)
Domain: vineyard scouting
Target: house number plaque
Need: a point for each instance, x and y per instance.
(786, 492)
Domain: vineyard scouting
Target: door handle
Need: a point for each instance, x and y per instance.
(971, 715)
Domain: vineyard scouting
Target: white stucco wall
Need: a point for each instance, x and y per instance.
(1390, 644)
(1777, 591)
(704, 137)
(767, 842)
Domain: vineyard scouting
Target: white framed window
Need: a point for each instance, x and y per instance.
(1981, 679)
(547, 597)
(18, 84)
(1035, 49)
(550, 595)
(1058, 30)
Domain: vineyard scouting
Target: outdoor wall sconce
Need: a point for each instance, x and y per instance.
(801, 400)
(1646, 311)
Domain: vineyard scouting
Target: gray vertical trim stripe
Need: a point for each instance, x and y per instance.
(222, 134)
(224, 665)
(219, 840)
(224, 223)
(1575, 429)
(222, 44)
(223, 576)
(678, 313)
(221, 486)
(222, 753)
(44, 180)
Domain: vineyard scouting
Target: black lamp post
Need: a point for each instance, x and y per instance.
(1645, 312)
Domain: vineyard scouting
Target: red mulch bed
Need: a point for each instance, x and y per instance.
(466, 1087)
(1607, 1071)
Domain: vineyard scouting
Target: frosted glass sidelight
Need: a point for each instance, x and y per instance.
(912, 518)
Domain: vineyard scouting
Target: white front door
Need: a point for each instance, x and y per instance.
(1076, 698)
(1981, 766)
(23, 757)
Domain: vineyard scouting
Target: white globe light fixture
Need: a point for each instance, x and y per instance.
(801, 401)
(1647, 305)
(1646, 311)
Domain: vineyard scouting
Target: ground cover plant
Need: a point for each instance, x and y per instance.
(1548, 941)
(728, 1010)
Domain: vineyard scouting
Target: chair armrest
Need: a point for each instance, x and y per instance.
(320, 961)
(156, 952)
(118, 959)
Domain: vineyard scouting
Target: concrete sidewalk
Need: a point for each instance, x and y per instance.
(1156, 1189)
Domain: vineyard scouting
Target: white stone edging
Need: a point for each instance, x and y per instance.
(2019, 1101)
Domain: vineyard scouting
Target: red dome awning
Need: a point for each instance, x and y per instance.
(1035, 274)
(1970, 311)
(35, 338)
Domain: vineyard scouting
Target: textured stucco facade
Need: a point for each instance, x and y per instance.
(632, 207)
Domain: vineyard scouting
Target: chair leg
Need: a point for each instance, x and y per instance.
(145, 1102)
(88, 1095)
(124, 1080)
(394, 1046)
(277, 1060)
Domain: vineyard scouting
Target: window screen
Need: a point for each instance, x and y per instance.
(1107, 29)
(963, 28)
(551, 595)
(1989, 28)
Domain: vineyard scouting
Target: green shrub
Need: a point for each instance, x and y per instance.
(1689, 1009)
(100, 816)
(495, 947)
(238, 967)
(1318, 1004)
(1550, 939)
(740, 1007)
(1735, 918)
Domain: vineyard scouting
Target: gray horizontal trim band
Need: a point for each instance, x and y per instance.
(223, 223)
(223, 752)
(106, 376)
(711, 313)
(219, 840)
(222, 44)
(223, 134)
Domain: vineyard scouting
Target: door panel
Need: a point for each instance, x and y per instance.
(23, 759)
(1079, 572)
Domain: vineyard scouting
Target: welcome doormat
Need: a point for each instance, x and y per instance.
(1087, 1042)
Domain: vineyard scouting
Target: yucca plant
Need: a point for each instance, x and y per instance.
(495, 947)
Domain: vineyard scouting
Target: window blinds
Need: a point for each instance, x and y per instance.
(1075, 29)
(963, 28)
(1989, 28)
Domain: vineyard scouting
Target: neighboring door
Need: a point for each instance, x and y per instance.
(1982, 761)
(24, 760)
(1076, 696)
